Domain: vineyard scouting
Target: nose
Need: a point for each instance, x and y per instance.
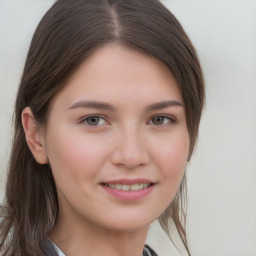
(130, 150)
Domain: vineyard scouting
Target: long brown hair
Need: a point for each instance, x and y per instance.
(68, 33)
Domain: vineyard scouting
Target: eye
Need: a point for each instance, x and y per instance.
(94, 120)
(161, 120)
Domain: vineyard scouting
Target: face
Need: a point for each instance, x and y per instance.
(117, 140)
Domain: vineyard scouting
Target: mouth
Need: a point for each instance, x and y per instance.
(128, 190)
(127, 187)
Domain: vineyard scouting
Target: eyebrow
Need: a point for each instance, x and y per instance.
(92, 104)
(164, 104)
(107, 106)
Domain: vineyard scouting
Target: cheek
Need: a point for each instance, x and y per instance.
(74, 153)
(170, 158)
(173, 156)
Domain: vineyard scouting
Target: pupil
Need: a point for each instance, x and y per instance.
(94, 120)
(158, 120)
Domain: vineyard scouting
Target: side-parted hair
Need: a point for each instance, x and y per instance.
(68, 34)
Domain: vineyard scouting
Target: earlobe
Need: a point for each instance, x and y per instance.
(33, 137)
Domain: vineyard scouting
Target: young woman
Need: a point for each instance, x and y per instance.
(106, 118)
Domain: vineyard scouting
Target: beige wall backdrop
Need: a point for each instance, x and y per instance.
(222, 173)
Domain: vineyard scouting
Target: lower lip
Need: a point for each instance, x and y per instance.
(129, 195)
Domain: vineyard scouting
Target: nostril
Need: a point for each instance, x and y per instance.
(129, 158)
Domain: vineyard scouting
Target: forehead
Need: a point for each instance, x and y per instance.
(117, 72)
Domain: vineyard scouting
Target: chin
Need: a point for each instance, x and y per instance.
(130, 224)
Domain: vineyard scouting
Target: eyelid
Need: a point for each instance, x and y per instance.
(84, 118)
(170, 117)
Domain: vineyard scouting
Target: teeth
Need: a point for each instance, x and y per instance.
(135, 187)
(118, 186)
(126, 187)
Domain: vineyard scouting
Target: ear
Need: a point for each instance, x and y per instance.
(34, 139)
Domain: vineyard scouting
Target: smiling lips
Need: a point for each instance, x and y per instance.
(128, 189)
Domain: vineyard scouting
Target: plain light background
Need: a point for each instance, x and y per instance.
(222, 173)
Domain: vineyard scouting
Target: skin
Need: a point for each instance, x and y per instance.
(128, 141)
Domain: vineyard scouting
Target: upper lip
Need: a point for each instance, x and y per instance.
(128, 181)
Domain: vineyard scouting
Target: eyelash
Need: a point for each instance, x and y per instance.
(84, 120)
(166, 120)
